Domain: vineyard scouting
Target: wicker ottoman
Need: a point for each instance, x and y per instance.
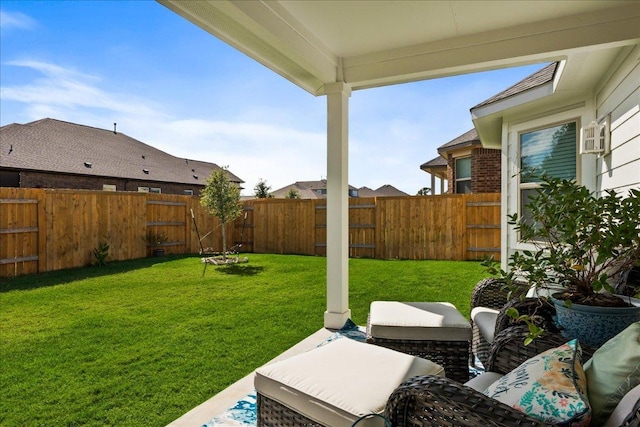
(333, 385)
(433, 330)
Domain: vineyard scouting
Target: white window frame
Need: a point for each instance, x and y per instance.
(585, 167)
(109, 187)
(456, 179)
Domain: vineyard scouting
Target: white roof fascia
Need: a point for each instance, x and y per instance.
(514, 101)
(559, 72)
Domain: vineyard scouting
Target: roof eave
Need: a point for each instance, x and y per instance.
(466, 144)
(487, 119)
(282, 47)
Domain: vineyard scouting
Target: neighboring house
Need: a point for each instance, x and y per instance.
(309, 190)
(386, 190)
(541, 122)
(318, 190)
(467, 166)
(437, 168)
(51, 153)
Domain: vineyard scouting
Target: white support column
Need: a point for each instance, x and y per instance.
(337, 205)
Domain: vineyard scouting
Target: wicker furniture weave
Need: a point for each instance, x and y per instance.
(508, 350)
(452, 355)
(490, 293)
(432, 401)
(271, 414)
(441, 402)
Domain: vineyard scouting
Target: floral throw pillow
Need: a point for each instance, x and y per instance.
(550, 386)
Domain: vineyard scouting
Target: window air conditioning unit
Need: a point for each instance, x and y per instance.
(595, 138)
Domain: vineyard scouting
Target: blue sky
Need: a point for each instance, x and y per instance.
(171, 85)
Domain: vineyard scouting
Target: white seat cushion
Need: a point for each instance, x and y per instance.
(483, 381)
(437, 321)
(485, 319)
(337, 383)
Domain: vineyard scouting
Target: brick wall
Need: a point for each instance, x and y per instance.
(451, 174)
(485, 171)
(31, 179)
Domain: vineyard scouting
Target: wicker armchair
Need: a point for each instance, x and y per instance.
(434, 401)
(493, 294)
(508, 350)
(441, 402)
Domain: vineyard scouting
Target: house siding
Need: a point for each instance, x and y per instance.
(620, 98)
(35, 179)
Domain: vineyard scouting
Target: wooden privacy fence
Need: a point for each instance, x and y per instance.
(44, 229)
(447, 227)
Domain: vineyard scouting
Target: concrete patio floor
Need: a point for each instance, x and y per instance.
(222, 401)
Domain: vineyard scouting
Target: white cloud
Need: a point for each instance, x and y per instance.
(16, 21)
(69, 88)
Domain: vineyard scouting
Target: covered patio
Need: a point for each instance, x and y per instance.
(333, 48)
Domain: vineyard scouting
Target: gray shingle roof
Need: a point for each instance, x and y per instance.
(389, 190)
(58, 146)
(466, 139)
(536, 79)
(433, 163)
(367, 192)
(386, 190)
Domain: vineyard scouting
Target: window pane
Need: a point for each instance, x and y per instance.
(463, 187)
(525, 196)
(551, 151)
(463, 168)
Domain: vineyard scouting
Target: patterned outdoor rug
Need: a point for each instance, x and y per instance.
(243, 413)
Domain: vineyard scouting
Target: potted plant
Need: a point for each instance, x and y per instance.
(155, 240)
(581, 244)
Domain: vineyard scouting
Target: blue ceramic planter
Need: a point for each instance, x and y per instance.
(592, 325)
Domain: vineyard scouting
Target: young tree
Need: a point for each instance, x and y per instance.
(424, 191)
(261, 190)
(292, 194)
(221, 198)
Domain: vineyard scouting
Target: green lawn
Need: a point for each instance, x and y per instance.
(139, 343)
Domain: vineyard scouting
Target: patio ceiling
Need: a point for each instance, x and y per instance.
(376, 43)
